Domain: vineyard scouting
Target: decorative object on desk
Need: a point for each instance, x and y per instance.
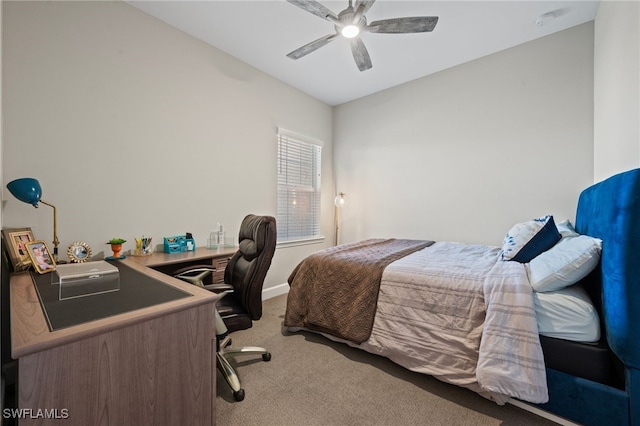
(116, 247)
(143, 246)
(339, 201)
(79, 252)
(217, 238)
(28, 190)
(16, 240)
(220, 235)
(212, 242)
(86, 279)
(179, 243)
(40, 256)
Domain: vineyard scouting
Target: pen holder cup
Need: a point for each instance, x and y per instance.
(143, 246)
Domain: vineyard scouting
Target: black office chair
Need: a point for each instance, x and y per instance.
(242, 290)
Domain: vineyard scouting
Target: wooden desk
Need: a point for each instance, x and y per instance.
(167, 263)
(151, 366)
(200, 254)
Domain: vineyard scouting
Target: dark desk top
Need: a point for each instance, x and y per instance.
(136, 291)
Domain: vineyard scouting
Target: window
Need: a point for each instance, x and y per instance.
(299, 161)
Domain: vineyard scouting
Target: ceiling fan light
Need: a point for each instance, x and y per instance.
(350, 31)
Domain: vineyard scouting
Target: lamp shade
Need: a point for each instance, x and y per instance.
(27, 190)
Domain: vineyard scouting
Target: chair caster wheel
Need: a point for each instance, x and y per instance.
(239, 395)
(266, 357)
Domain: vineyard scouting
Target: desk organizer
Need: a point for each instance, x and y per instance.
(85, 279)
(179, 244)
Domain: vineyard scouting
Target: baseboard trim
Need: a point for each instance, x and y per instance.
(547, 415)
(278, 290)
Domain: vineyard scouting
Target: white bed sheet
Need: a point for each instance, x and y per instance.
(567, 314)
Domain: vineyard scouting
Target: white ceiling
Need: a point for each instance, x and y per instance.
(262, 32)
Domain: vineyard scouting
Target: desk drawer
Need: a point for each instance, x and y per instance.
(220, 265)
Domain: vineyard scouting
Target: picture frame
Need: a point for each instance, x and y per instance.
(41, 257)
(79, 252)
(16, 240)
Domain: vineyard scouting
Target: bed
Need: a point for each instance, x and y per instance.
(482, 317)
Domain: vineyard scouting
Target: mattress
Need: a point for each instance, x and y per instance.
(567, 314)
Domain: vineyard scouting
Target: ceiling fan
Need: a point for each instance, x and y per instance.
(352, 21)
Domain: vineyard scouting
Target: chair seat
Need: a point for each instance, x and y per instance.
(234, 316)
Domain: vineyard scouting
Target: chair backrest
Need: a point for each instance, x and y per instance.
(248, 267)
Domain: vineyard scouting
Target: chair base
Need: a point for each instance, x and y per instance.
(227, 370)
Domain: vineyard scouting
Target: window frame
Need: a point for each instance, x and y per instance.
(306, 181)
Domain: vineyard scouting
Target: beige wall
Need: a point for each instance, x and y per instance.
(616, 88)
(464, 154)
(89, 87)
(133, 127)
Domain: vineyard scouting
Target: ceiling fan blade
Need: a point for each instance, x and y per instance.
(360, 54)
(316, 8)
(416, 24)
(362, 7)
(310, 47)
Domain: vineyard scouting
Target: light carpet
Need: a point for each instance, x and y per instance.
(312, 380)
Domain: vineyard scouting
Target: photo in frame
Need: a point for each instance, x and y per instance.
(16, 241)
(41, 257)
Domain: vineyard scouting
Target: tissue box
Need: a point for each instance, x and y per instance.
(85, 279)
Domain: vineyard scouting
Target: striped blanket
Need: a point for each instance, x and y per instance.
(459, 313)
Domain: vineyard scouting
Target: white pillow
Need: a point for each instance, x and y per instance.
(567, 314)
(564, 264)
(566, 229)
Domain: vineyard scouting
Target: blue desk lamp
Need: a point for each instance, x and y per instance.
(28, 190)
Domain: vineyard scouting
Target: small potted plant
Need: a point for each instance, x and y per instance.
(116, 246)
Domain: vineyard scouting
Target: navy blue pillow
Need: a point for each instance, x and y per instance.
(527, 240)
(546, 238)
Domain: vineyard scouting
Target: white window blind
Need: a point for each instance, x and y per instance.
(299, 163)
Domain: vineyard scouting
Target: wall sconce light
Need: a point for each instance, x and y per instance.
(339, 201)
(28, 190)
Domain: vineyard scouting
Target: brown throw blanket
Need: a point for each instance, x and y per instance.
(336, 290)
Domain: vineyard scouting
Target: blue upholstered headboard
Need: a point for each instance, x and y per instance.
(610, 210)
